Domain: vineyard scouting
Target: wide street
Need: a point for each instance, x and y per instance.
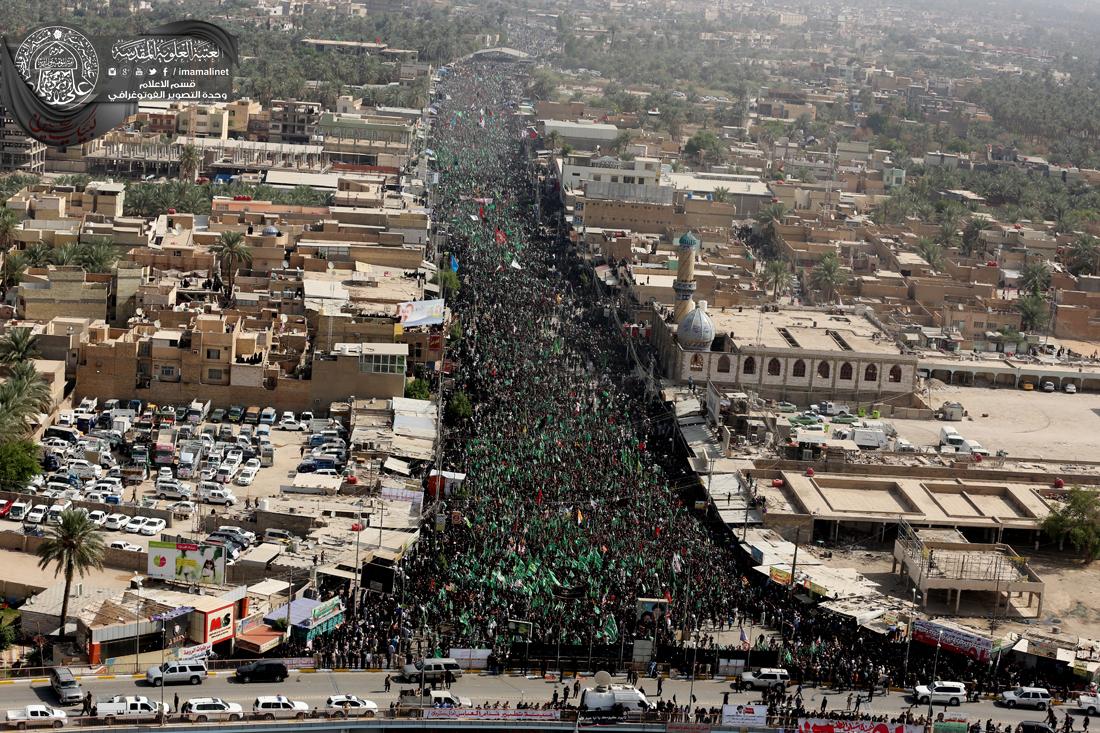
(314, 687)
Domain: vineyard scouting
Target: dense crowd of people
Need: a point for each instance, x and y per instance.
(568, 516)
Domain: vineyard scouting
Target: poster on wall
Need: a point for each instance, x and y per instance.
(825, 725)
(186, 562)
(953, 639)
(744, 716)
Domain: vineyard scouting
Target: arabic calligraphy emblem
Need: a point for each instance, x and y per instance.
(60, 65)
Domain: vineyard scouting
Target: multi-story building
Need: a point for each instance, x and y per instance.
(19, 152)
(366, 139)
(204, 121)
(294, 121)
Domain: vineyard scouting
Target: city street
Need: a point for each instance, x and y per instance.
(314, 687)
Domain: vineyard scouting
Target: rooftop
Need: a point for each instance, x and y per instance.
(801, 329)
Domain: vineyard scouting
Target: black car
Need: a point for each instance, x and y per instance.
(262, 671)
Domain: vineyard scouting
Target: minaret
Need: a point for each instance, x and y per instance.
(685, 276)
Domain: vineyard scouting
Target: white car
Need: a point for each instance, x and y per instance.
(350, 706)
(270, 707)
(247, 534)
(182, 507)
(289, 422)
(84, 470)
(97, 517)
(165, 472)
(135, 524)
(124, 545)
(940, 693)
(152, 526)
(252, 463)
(1071, 388)
(116, 521)
(37, 515)
(203, 709)
(245, 477)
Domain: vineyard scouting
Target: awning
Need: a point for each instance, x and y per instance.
(337, 572)
(394, 464)
(260, 639)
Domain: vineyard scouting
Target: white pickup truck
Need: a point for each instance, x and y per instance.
(1089, 703)
(131, 709)
(36, 716)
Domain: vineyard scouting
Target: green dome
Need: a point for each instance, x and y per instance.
(689, 240)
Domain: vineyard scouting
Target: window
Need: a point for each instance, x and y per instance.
(750, 365)
(417, 350)
(697, 363)
(895, 374)
(213, 353)
(723, 364)
(382, 363)
(823, 370)
(799, 369)
(846, 372)
(774, 368)
(167, 372)
(214, 375)
(870, 374)
(979, 325)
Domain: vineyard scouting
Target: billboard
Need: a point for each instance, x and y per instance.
(953, 639)
(420, 313)
(186, 562)
(823, 725)
(744, 716)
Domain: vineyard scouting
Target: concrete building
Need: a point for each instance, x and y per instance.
(365, 139)
(583, 135)
(796, 356)
(363, 370)
(19, 153)
(294, 121)
(203, 120)
(61, 291)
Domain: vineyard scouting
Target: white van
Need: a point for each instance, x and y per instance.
(54, 515)
(190, 672)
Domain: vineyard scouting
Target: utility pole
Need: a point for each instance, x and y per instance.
(794, 560)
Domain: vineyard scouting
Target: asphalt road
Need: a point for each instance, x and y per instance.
(314, 687)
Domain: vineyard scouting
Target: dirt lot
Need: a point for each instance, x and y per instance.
(1068, 584)
(1026, 424)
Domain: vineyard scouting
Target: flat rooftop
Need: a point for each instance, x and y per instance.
(812, 330)
(935, 501)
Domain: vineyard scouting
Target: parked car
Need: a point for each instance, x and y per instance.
(349, 706)
(124, 545)
(182, 507)
(153, 526)
(288, 422)
(217, 415)
(270, 707)
(204, 709)
(37, 515)
(1071, 388)
(245, 477)
(268, 416)
(97, 517)
(1049, 387)
(940, 693)
(263, 670)
(277, 536)
(135, 524)
(248, 536)
(116, 521)
(64, 685)
(36, 716)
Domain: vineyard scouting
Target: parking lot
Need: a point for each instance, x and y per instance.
(1025, 424)
(101, 456)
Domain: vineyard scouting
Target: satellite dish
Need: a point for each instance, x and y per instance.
(603, 678)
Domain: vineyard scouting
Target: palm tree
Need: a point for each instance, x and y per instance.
(1082, 256)
(1034, 312)
(828, 276)
(73, 546)
(9, 222)
(38, 254)
(99, 255)
(721, 194)
(553, 139)
(231, 251)
(189, 161)
(18, 345)
(972, 237)
(1035, 277)
(932, 252)
(12, 271)
(67, 254)
(768, 220)
(777, 278)
(22, 396)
